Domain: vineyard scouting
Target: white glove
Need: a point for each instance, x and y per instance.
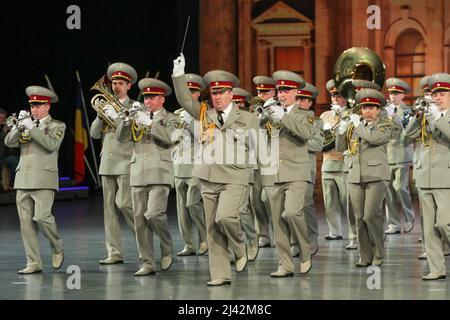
(343, 125)
(27, 123)
(185, 117)
(135, 106)
(178, 65)
(276, 113)
(110, 112)
(433, 112)
(390, 109)
(270, 102)
(336, 108)
(23, 114)
(354, 118)
(327, 126)
(142, 118)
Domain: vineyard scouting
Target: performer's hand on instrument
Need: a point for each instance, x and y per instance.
(343, 125)
(327, 126)
(432, 113)
(23, 114)
(355, 119)
(27, 123)
(390, 109)
(336, 108)
(185, 117)
(135, 106)
(110, 112)
(143, 119)
(178, 65)
(270, 102)
(276, 112)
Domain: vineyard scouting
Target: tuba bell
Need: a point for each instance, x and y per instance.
(104, 98)
(357, 63)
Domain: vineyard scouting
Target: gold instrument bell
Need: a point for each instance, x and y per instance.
(357, 63)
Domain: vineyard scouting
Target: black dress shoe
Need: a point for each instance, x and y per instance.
(332, 237)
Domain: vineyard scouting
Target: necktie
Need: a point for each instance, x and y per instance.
(285, 110)
(395, 109)
(37, 123)
(220, 117)
(151, 115)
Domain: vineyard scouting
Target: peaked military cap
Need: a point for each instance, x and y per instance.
(439, 82)
(368, 97)
(37, 94)
(397, 85)
(220, 80)
(264, 83)
(309, 91)
(424, 84)
(288, 80)
(151, 86)
(331, 87)
(364, 84)
(241, 95)
(121, 71)
(194, 82)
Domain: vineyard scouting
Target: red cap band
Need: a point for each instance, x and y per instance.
(370, 100)
(193, 85)
(35, 98)
(287, 83)
(397, 88)
(304, 93)
(120, 74)
(264, 86)
(440, 85)
(153, 90)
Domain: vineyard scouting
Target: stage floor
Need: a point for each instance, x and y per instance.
(80, 222)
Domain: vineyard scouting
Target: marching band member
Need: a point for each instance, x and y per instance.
(432, 172)
(37, 176)
(187, 187)
(151, 172)
(400, 157)
(366, 141)
(305, 98)
(223, 184)
(115, 164)
(287, 193)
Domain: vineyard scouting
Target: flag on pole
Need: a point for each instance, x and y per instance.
(81, 137)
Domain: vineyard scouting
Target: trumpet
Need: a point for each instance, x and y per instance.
(262, 110)
(13, 122)
(131, 114)
(421, 105)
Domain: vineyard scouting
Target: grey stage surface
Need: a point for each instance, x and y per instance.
(80, 222)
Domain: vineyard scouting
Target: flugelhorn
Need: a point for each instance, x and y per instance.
(101, 100)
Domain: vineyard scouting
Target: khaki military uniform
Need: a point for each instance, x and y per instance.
(188, 190)
(115, 172)
(315, 144)
(433, 182)
(223, 184)
(400, 156)
(151, 179)
(334, 186)
(36, 182)
(367, 182)
(289, 186)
